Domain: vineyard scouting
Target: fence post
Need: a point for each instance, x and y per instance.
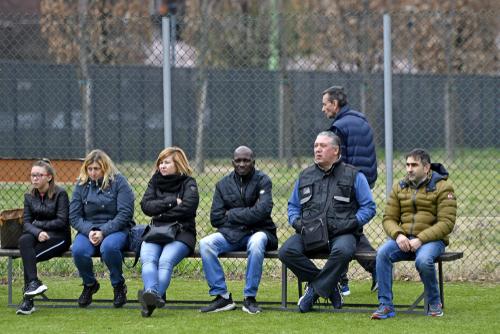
(167, 103)
(388, 104)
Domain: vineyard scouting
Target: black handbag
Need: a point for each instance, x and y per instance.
(161, 234)
(314, 234)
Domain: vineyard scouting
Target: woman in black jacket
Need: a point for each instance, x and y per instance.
(171, 198)
(46, 231)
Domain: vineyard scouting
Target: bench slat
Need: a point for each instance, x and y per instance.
(446, 257)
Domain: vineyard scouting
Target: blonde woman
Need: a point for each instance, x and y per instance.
(101, 211)
(46, 231)
(171, 197)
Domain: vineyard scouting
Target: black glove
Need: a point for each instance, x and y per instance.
(297, 225)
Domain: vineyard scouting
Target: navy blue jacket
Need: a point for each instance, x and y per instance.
(108, 210)
(358, 146)
(242, 206)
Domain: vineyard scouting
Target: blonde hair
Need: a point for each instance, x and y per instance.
(104, 161)
(45, 163)
(178, 157)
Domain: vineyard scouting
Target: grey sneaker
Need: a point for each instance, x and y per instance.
(27, 307)
(219, 304)
(435, 310)
(384, 312)
(250, 306)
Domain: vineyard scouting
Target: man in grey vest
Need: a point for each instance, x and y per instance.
(334, 187)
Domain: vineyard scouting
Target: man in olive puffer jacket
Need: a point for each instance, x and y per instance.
(419, 215)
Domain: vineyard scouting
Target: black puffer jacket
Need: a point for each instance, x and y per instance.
(242, 206)
(47, 214)
(162, 207)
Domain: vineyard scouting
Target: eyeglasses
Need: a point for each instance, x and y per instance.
(37, 176)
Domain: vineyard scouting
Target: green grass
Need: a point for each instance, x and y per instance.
(470, 308)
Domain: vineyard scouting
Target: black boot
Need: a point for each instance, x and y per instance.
(120, 292)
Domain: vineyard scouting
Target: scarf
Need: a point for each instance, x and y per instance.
(168, 183)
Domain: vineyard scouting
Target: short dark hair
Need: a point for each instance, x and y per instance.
(336, 93)
(420, 154)
(335, 139)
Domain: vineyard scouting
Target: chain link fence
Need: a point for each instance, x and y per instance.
(72, 83)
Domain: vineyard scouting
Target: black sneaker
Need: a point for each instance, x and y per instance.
(336, 298)
(27, 307)
(152, 300)
(307, 301)
(219, 304)
(146, 310)
(86, 296)
(34, 288)
(250, 306)
(120, 295)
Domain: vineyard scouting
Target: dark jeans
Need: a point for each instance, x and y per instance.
(363, 245)
(33, 251)
(342, 249)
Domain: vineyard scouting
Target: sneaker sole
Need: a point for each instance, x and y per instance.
(244, 309)
(22, 312)
(383, 317)
(41, 289)
(150, 299)
(222, 309)
(346, 293)
(435, 314)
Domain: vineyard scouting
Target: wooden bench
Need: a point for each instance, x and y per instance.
(283, 304)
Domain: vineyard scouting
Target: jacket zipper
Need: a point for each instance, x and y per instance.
(241, 190)
(414, 203)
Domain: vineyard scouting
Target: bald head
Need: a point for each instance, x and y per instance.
(243, 149)
(243, 160)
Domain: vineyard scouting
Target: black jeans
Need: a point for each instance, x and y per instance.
(363, 245)
(342, 249)
(33, 251)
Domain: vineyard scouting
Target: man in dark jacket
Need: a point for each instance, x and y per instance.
(241, 212)
(337, 190)
(358, 149)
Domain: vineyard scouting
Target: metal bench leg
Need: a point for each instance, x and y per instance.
(284, 286)
(9, 280)
(417, 301)
(441, 285)
(299, 287)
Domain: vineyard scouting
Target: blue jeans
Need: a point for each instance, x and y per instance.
(214, 244)
(158, 262)
(424, 257)
(110, 250)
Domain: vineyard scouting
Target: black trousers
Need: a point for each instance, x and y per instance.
(33, 251)
(363, 245)
(342, 249)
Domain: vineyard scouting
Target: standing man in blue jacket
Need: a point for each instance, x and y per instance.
(241, 212)
(357, 149)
